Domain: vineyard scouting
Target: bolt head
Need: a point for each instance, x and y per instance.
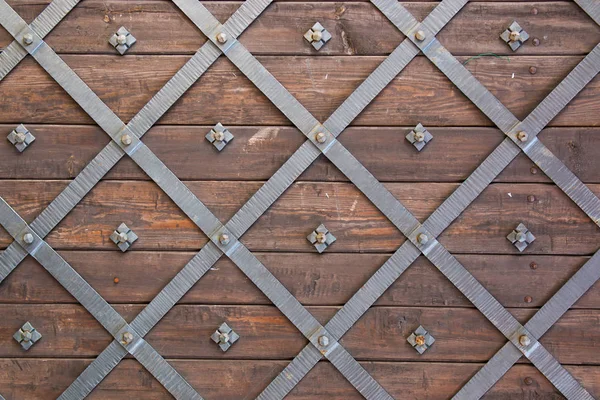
(224, 239)
(127, 338)
(20, 137)
(420, 136)
(420, 340)
(219, 136)
(28, 38)
(122, 39)
(422, 238)
(321, 237)
(126, 140)
(26, 336)
(123, 237)
(222, 37)
(420, 35)
(522, 136)
(514, 36)
(524, 340)
(321, 137)
(28, 238)
(316, 36)
(323, 340)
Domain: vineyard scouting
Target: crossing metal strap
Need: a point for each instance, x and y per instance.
(591, 7)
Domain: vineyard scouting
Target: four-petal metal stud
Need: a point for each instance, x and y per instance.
(521, 237)
(420, 339)
(419, 137)
(20, 137)
(122, 40)
(321, 238)
(317, 36)
(514, 36)
(27, 336)
(219, 136)
(224, 336)
(123, 237)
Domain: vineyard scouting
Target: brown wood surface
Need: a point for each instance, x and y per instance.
(357, 27)
(62, 151)
(462, 334)
(47, 378)
(327, 279)
(558, 224)
(421, 93)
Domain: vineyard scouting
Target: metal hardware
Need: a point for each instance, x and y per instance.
(420, 339)
(28, 238)
(321, 137)
(27, 336)
(522, 136)
(514, 36)
(224, 336)
(20, 137)
(222, 37)
(521, 237)
(419, 137)
(126, 140)
(219, 136)
(123, 237)
(524, 340)
(317, 36)
(224, 239)
(126, 338)
(122, 40)
(323, 341)
(321, 238)
(420, 35)
(422, 238)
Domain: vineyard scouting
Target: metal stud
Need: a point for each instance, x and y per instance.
(28, 238)
(419, 137)
(420, 339)
(224, 336)
(422, 238)
(514, 36)
(224, 239)
(222, 37)
(123, 237)
(20, 137)
(28, 38)
(122, 40)
(323, 341)
(126, 140)
(522, 136)
(420, 35)
(317, 36)
(524, 340)
(27, 336)
(127, 338)
(521, 237)
(219, 136)
(321, 238)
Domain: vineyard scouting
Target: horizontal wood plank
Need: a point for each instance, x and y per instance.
(161, 28)
(47, 378)
(327, 279)
(558, 224)
(62, 151)
(462, 334)
(419, 94)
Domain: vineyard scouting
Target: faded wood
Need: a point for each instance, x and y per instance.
(160, 28)
(327, 279)
(29, 95)
(62, 151)
(462, 334)
(46, 378)
(559, 225)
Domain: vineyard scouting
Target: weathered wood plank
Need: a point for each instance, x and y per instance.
(419, 94)
(462, 334)
(47, 378)
(562, 27)
(62, 151)
(328, 279)
(559, 225)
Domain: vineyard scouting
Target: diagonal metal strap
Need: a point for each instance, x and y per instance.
(591, 7)
(94, 303)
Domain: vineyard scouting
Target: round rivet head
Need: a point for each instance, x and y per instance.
(514, 36)
(321, 137)
(28, 238)
(224, 239)
(20, 137)
(522, 136)
(317, 35)
(420, 136)
(126, 140)
(420, 35)
(323, 340)
(422, 238)
(122, 39)
(222, 37)
(528, 381)
(127, 338)
(321, 237)
(28, 38)
(524, 340)
(536, 42)
(420, 340)
(219, 136)
(532, 70)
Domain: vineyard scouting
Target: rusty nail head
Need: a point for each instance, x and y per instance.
(127, 338)
(524, 340)
(536, 41)
(533, 170)
(528, 381)
(126, 140)
(321, 237)
(28, 238)
(224, 239)
(222, 37)
(28, 38)
(522, 136)
(420, 340)
(528, 299)
(533, 265)
(116, 280)
(531, 198)
(420, 35)
(321, 137)
(323, 340)
(532, 70)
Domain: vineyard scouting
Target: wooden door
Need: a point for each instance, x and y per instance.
(236, 200)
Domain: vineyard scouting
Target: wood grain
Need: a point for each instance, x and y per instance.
(419, 94)
(47, 378)
(558, 224)
(462, 334)
(161, 28)
(327, 279)
(62, 151)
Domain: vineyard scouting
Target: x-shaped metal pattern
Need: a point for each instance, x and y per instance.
(285, 176)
